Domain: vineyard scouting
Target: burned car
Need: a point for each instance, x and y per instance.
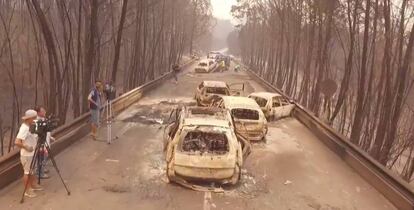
(273, 105)
(200, 145)
(248, 118)
(209, 92)
(204, 66)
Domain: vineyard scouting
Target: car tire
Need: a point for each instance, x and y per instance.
(236, 176)
(170, 173)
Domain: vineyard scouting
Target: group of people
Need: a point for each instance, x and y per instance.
(27, 141)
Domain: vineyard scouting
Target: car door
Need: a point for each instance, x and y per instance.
(236, 89)
(171, 127)
(277, 108)
(287, 107)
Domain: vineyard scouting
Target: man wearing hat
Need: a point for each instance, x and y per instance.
(27, 141)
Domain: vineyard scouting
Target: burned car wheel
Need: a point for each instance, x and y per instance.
(170, 172)
(236, 176)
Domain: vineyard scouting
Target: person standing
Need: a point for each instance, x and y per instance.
(27, 141)
(41, 115)
(94, 100)
(175, 71)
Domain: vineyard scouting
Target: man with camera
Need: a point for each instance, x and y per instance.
(41, 116)
(27, 141)
(94, 100)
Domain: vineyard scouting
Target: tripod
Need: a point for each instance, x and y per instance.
(36, 160)
(109, 116)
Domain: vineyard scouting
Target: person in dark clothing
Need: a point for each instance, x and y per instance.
(175, 71)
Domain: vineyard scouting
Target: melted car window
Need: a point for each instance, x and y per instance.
(260, 101)
(205, 142)
(202, 64)
(276, 102)
(217, 90)
(246, 114)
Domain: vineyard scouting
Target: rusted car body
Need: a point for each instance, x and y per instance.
(200, 144)
(209, 92)
(249, 119)
(273, 105)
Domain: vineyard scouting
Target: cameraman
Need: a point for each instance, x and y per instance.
(41, 115)
(94, 100)
(27, 141)
(109, 91)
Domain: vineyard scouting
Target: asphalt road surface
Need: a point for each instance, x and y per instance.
(293, 170)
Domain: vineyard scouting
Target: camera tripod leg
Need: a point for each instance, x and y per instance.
(109, 117)
(52, 159)
(32, 168)
(39, 165)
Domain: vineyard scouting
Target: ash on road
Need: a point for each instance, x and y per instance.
(293, 170)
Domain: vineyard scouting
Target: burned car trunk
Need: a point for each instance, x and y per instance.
(203, 142)
(249, 120)
(202, 146)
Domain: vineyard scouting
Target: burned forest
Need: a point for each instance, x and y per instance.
(51, 52)
(349, 61)
(207, 104)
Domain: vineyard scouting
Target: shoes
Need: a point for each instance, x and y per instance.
(44, 176)
(30, 194)
(38, 188)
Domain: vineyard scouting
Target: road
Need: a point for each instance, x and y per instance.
(293, 170)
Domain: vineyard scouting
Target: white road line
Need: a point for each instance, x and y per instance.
(207, 200)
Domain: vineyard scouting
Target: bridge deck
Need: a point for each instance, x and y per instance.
(293, 170)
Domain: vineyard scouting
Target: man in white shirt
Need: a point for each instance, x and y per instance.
(27, 141)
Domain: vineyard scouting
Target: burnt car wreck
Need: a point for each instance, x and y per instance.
(200, 144)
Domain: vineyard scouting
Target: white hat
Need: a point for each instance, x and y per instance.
(29, 114)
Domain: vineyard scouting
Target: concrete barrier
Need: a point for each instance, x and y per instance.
(10, 168)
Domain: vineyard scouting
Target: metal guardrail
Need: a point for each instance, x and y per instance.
(10, 168)
(396, 190)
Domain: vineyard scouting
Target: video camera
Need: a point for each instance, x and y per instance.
(42, 126)
(110, 92)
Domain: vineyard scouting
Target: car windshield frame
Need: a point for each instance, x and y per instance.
(225, 92)
(237, 114)
(204, 130)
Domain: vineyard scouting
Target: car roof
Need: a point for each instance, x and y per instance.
(206, 122)
(207, 116)
(215, 84)
(232, 102)
(266, 95)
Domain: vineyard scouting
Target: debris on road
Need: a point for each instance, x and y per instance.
(156, 113)
(116, 189)
(112, 160)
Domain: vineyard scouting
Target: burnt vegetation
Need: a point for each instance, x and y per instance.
(51, 52)
(349, 61)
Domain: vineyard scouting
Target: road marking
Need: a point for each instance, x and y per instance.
(207, 200)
